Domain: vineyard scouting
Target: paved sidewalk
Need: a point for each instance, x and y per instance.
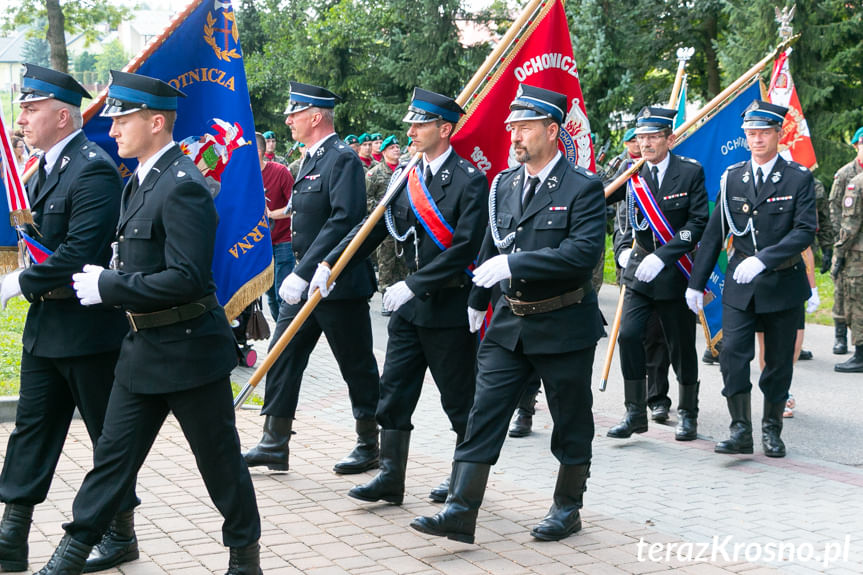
(653, 504)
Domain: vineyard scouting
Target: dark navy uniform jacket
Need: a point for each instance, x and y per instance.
(75, 213)
(783, 213)
(558, 241)
(328, 200)
(441, 284)
(683, 199)
(165, 237)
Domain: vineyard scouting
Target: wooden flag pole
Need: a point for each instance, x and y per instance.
(683, 56)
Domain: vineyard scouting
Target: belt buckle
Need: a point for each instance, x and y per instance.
(515, 304)
(131, 317)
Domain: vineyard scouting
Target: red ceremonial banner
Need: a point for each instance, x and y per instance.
(795, 143)
(541, 57)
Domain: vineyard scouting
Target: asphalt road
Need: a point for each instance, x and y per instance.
(826, 424)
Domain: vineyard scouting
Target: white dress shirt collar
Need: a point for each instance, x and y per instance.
(145, 168)
(52, 155)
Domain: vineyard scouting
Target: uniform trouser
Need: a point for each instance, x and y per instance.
(391, 268)
(348, 328)
(450, 355)
(503, 376)
(206, 416)
(852, 288)
(738, 350)
(839, 298)
(283, 265)
(678, 324)
(657, 362)
(51, 389)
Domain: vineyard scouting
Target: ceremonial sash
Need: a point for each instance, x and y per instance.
(427, 211)
(660, 226)
(38, 252)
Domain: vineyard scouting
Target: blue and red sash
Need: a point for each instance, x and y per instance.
(427, 211)
(38, 252)
(660, 226)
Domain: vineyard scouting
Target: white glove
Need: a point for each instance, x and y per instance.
(11, 287)
(397, 295)
(813, 302)
(493, 271)
(694, 300)
(292, 289)
(86, 284)
(748, 269)
(319, 281)
(475, 318)
(649, 268)
(623, 258)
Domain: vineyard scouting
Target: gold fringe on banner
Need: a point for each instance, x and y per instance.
(8, 259)
(20, 218)
(250, 291)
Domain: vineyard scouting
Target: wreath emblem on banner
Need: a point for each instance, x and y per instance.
(228, 32)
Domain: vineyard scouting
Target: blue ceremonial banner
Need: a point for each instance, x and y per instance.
(200, 54)
(717, 144)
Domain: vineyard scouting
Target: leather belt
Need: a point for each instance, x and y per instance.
(523, 308)
(790, 262)
(173, 315)
(62, 292)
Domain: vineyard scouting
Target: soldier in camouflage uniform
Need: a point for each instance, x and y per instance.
(837, 193)
(825, 236)
(848, 269)
(391, 268)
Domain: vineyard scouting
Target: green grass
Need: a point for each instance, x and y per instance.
(253, 399)
(11, 328)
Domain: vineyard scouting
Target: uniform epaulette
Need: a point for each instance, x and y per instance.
(800, 167)
(737, 165)
(467, 166)
(511, 169)
(90, 152)
(178, 172)
(690, 160)
(584, 172)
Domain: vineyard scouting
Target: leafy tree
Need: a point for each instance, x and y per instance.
(112, 58)
(72, 17)
(85, 62)
(36, 51)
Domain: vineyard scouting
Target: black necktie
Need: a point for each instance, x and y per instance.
(654, 172)
(759, 176)
(41, 175)
(532, 183)
(427, 174)
(134, 187)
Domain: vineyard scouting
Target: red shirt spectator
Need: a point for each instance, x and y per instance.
(278, 183)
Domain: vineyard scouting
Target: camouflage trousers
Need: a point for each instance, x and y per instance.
(839, 298)
(391, 268)
(852, 287)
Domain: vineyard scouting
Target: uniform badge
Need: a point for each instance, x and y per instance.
(470, 170)
(91, 155)
(320, 152)
(745, 208)
(686, 235)
(775, 177)
(746, 177)
(181, 173)
(312, 177)
(64, 161)
(516, 181)
(445, 175)
(849, 201)
(552, 182)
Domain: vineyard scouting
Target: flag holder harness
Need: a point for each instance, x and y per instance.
(499, 243)
(726, 215)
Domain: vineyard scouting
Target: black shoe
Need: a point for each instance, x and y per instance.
(687, 413)
(740, 408)
(68, 559)
(771, 428)
(118, 544)
(273, 450)
(439, 493)
(804, 355)
(659, 413)
(366, 453)
(457, 519)
(389, 484)
(840, 343)
(709, 358)
(563, 519)
(635, 400)
(522, 425)
(245, 560)
(14, 531)
(853, 365)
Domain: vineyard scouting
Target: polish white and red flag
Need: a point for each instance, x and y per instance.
(795, 143)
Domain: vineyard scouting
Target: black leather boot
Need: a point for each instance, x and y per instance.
(273, 450)
(68, 559)
(563, 519)
(245, 560)
(771, 429)
(853, 365)
(635, 400)
(14, 531)
(365, 454)
(440, 493)
(389, 484)
(457, 519)
(687, 411)
(522, 425)
(118, 544)
(840, 341)
(740, 408)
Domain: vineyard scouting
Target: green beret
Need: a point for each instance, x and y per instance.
(351, 139)
(375, 137)
(629, 134)
(858, 135)
(389, 140)
(364, 137)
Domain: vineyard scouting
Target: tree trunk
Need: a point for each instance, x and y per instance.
(57, 36)
(711, 62)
